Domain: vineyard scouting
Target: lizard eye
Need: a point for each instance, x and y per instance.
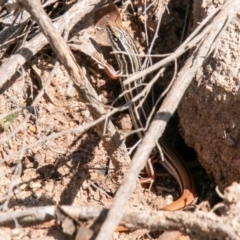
(116, 39)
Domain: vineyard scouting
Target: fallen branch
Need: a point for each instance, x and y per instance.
(199, 225)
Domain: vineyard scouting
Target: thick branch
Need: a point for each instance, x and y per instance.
(199, 224)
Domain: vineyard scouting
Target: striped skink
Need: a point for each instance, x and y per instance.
(130, 63)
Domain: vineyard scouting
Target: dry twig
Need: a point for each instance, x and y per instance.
(200, 225)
